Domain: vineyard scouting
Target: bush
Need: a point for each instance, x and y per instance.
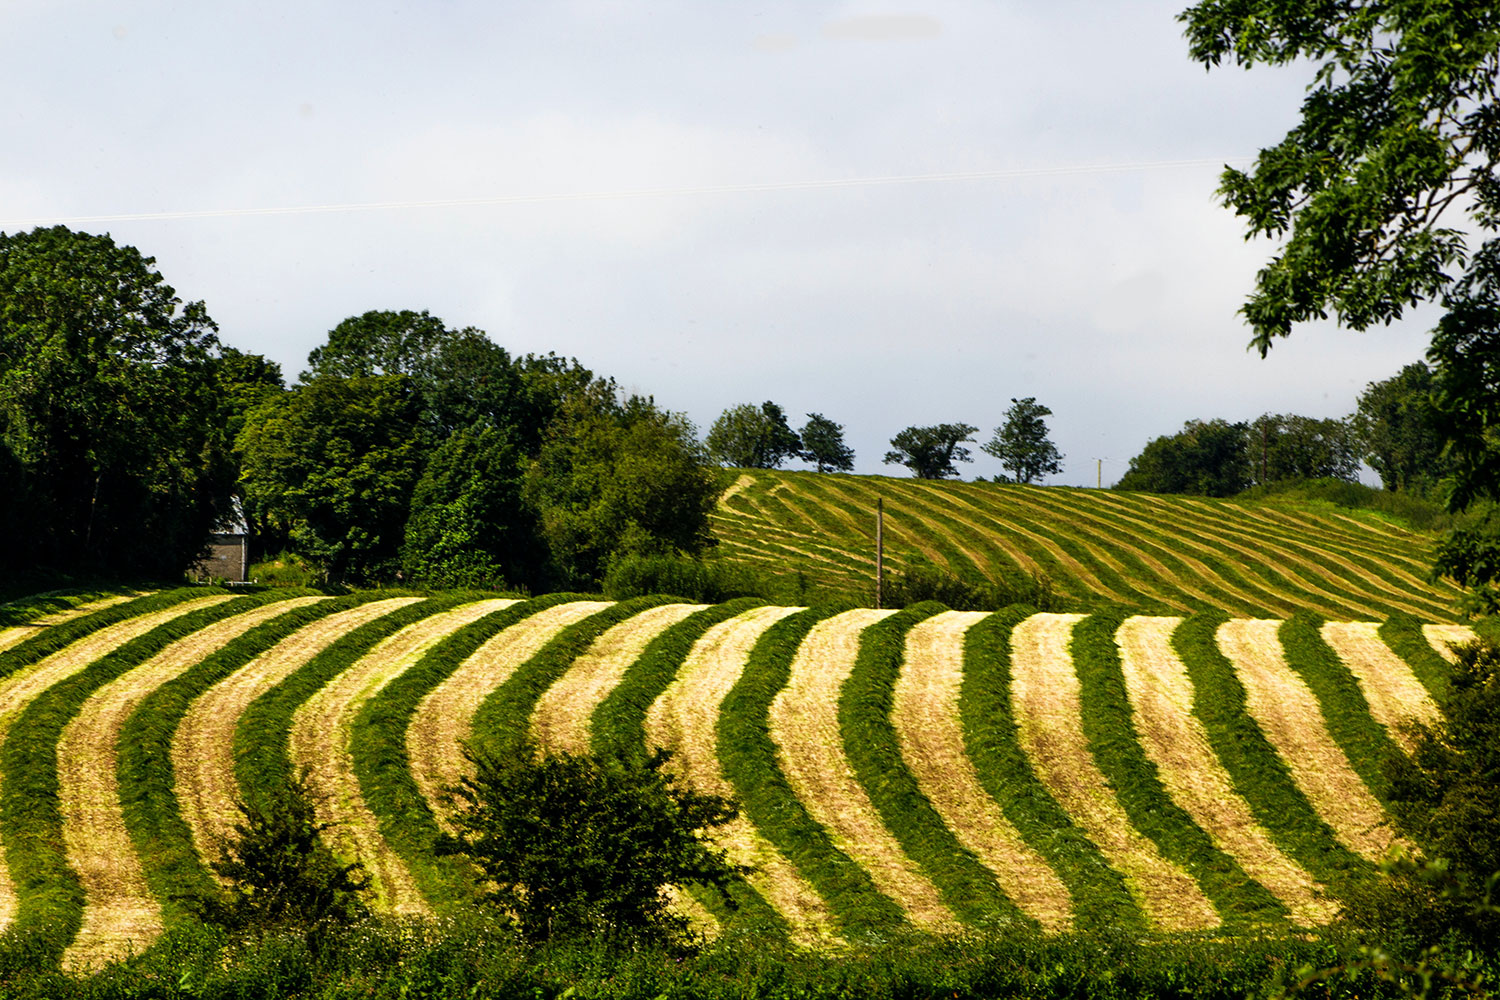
(575, 845)
(922, 581)
(285, 570)
(637, 575)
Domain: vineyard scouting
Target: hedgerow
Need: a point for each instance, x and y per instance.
(1259, 774)
(748, 757)
(1106, 714)
(871, 745)
(49, 894)
(1100, 898)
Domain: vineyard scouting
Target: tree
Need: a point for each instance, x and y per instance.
(1021, 443)
(331, 466)
(107, 409)
(823, 444)
(616, 478)
(1283, 446)
(1396, 424)
(1206, 458)
(929, 452)
(575, 845)
(750, 437)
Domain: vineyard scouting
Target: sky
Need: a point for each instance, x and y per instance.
(890, 215)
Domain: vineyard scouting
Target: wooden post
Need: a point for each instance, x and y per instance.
(879, 553)
(1100, 471)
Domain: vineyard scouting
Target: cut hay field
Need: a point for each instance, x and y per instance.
(1168, 555)
(922, 770)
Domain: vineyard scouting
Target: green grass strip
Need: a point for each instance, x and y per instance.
(1256, 769)
(618, 729)
(1364, 741)
(1403, 634)
(27, 609)
(169, 859)
(263, 766)
(1106, 714)
(747, 756)
(49, 895)
(58, 637)
(1100, 899)
(871, 744)
(377, 744)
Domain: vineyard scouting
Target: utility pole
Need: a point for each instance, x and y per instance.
(1100, 471)
(879, 553)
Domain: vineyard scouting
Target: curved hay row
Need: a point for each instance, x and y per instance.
(737, 486)
(684, 720)
(17, 690)
(925, 715)
(203, 745)
(1287, 713)
(1444, 637)
(319, 743)
(804, 724)
(560, 721)
(17, 634)
(1161, 708)
(1046, 693)
(445, 716)
(1391, 689)
(119, 910)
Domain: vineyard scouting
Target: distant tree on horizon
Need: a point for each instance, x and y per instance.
(929, 452)
(823, 445)
(1021, 443)
(753, 437)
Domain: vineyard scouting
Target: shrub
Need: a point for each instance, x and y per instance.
(285, 570)
(922, 581)
(577, 845)
(638, 575)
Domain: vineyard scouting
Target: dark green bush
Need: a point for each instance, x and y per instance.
(922, 581)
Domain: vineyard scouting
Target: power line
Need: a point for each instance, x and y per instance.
(620, 195)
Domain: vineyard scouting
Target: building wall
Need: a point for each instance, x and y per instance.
(225, 561)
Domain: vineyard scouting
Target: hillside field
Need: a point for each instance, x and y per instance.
(1098, 548)
(925, 769)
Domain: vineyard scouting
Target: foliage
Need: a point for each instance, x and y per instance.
(1398, 129)
(1207, 458)
(1021, 443)
(468, 525)
(921, 581)
(1470, 554)
(108, 407)
(1466, 351)
(615, 478)
(285, 570)
(1285, 446)
(1396, 423)
(823, 445)
(747, 437)
(331, 466)
(280, 872)
(929, 452)
(1410, 510)
(573, 845)
(636, 575)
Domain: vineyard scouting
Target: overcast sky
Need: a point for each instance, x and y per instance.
(714, 203)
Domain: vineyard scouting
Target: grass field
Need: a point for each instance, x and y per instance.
(900, 772)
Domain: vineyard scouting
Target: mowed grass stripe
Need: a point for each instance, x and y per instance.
(749, 759)
(120, 911)
(683, 720)
(1100, 898)
(1287, 712)
(1404, 635)
(925, 716)
(26, 682)
(1161, 697)
(203, 751)
(1407, 553)
(444, 718)
(1443, 638)
(318, 744)
(1258, 772)
(48, 894)
(1200, 583)
(1190, 535)
(17, 634)
(1047, 699)
(560, 722)
(804, 723)
(1392, 691)
(1354, 588)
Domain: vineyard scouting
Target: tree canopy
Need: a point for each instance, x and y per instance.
(1283, 446)
(1021, 443)
(1396, 423)
(929, 452)
(751, 437)
(1207, 458)
(823, 445)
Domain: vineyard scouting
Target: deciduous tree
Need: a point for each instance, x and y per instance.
(929, 452)
(1021, 443)
(1397, 426)
(1283, 446)
(823, 444)
(1207, 458)
(751, 437)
